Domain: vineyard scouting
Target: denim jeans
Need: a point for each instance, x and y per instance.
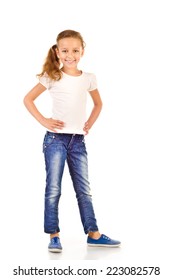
(59, 148)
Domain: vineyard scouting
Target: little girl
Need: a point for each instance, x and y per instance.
(66, 129)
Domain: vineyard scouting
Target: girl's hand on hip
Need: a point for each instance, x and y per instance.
(52, 124)
(86, 128)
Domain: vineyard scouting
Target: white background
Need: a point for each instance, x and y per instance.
(129, 47)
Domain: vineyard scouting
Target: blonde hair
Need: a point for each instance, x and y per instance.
(52, 63)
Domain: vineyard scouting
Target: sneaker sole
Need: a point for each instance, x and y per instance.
(104, 245)
(54, 250)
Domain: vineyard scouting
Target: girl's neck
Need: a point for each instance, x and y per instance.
(71, 72)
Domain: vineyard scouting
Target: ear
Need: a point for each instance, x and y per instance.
(82, 52)
(57, 52)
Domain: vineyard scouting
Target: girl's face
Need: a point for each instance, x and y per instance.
(70, 52)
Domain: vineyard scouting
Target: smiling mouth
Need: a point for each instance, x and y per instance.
(70, 61)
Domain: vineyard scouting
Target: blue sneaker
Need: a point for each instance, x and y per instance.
(103, 241)
(55, 245)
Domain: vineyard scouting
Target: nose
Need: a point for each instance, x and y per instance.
(69, 54)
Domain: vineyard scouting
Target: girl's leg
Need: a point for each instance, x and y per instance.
(78, 167)
(55, 156)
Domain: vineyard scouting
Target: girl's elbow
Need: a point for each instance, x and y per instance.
(25, 100)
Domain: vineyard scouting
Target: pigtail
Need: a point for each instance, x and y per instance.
(52, 65)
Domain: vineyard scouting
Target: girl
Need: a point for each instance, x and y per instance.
(64, 138)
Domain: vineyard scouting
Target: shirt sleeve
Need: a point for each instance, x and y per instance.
(93, 82)
(45, 81)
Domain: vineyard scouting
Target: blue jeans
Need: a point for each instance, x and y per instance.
(59, 148)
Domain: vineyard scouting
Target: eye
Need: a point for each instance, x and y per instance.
(76, 51)
(64, 51)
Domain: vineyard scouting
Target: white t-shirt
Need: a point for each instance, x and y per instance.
(69, 99)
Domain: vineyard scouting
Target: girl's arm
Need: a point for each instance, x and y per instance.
(95, 111)
(28, 100)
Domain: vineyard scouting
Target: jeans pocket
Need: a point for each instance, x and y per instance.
(48, 140)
